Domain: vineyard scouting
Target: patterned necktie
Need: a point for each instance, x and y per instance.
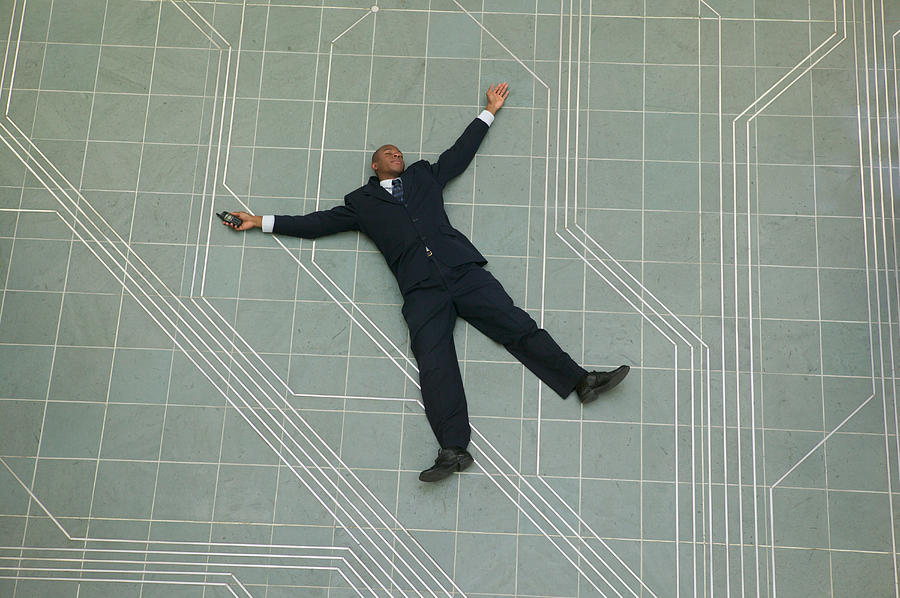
(397, 190)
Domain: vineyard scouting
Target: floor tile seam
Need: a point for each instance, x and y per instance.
(230, 145)
(821, 357)
(829, 375)
(816, 549)
(656, 16)
(352, 296)
(434, 106)
(750, 313)
(337, 250)
(408, 342)
(584, 268)
(521, 156)
(222, 433)
(408, 10)
(153, 556)
(474, 165)
(724, 349)
(73, 244)
(212, 129)
(876, 241)
(282, 526)
(305, 53)
(217, 549)
(250, 177)
(484, 417)
(537, 14)
(147, 283)
(340, 251)
(247, 465)
(413, 472)
(825, 418)
(796, 116)
(159, 576)
(581, 522)
(528, 272)
(893, 229)
(3, 298)
(91, 569)
(495, 532)
(643, 224)
(165, 411)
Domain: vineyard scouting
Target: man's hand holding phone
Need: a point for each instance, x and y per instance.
(248, 221)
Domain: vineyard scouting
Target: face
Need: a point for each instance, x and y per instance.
(388, 162)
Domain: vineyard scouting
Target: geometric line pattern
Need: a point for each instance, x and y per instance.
(740, 479)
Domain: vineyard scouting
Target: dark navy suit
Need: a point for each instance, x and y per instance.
(440, 275)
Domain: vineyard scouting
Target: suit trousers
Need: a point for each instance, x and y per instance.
(471, 292)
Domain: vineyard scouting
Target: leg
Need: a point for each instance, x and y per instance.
(431, 317)
(483, 302)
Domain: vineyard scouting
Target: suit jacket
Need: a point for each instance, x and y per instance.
(402, 231)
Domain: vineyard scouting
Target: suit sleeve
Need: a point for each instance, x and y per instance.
(455, 160)
(318, 224)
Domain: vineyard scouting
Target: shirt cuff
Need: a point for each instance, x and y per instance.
(487, 117)
(268, 224)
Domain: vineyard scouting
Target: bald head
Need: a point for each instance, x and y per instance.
(387, 162)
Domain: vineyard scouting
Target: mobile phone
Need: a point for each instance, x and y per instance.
(230, 218)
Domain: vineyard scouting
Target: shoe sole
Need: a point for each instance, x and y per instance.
(612, 383)
(437, 476)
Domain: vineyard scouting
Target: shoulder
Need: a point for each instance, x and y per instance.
(355, 194)
(419, 168)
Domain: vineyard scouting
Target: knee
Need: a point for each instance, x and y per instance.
(432, 356)
(520, 333)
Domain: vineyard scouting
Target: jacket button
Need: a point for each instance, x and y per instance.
(415, 219)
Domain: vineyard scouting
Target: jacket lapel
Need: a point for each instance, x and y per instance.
(376, 190)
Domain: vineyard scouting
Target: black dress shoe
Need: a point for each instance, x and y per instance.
(448, 461)
(596, 383)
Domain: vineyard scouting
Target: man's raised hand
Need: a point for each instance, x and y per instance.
(496, 95)
(247, 221)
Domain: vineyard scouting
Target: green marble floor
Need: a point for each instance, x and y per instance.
(701, 190)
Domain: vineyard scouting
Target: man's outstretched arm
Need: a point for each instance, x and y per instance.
(310, 226)
(456, 159)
